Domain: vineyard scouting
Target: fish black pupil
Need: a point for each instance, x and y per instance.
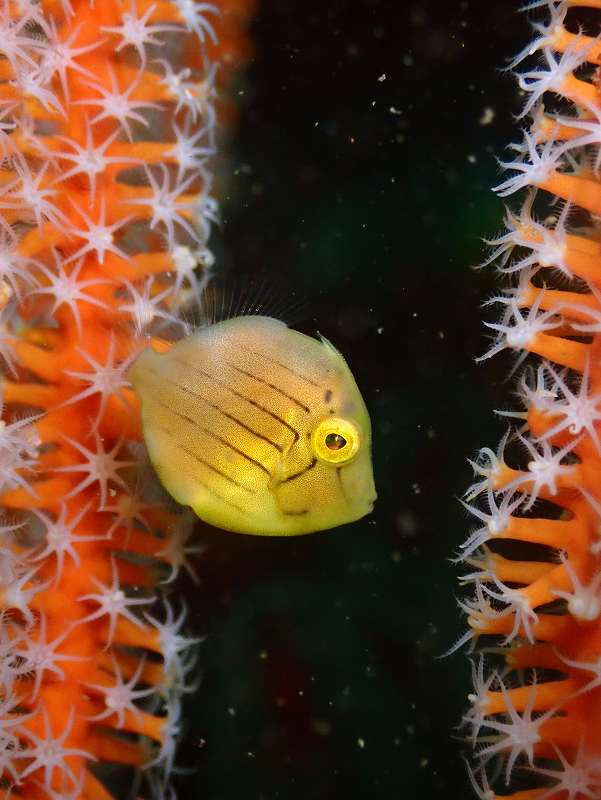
(334, 441)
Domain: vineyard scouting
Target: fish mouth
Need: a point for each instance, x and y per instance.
(371, 503)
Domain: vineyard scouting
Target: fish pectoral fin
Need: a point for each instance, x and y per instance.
(290, 505)
(277, 473)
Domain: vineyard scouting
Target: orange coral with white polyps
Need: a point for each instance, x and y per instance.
(534, 558)
(106, 127)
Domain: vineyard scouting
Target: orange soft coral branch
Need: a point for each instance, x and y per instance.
(107, 123)
(535, 556)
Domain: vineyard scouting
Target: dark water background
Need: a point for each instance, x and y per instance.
(359, 182)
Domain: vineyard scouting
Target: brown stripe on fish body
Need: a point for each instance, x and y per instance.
(202, 443)
(294, 375)
(286, 377)
(270, 350)
(218, 382)
(299, 491)
(192, 389)
(268, 398)
(207, 365)
(314, 372)
(272, 393)
(196, 474)
(207, 449)
(192, 482)
(224, 446)
(277, 383)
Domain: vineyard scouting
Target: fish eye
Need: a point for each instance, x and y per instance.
(335, 440)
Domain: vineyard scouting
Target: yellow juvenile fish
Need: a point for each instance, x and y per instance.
(259, 428)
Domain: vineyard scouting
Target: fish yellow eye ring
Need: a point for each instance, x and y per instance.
(335, 440)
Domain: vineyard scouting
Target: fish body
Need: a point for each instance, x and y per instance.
(258, 428)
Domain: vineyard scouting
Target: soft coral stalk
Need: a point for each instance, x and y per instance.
(535, 557)
(107, 120)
